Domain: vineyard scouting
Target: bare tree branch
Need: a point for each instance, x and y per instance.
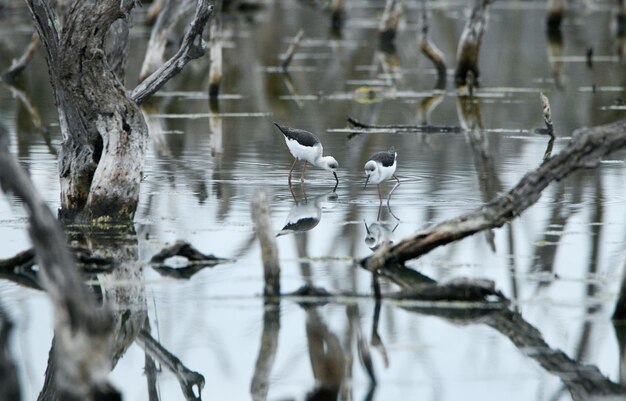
(192, 47)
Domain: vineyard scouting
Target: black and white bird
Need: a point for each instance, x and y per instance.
(380, 167)
(304, 145)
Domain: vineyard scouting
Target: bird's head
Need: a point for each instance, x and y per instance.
(370, 168)
(329, 163)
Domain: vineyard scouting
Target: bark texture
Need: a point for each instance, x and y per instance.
(469, 45)
(104, 132)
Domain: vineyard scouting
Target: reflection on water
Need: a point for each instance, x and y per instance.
(560, 263)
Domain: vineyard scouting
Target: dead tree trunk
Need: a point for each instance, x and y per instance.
(9, 385)
(104, 132)
(469, 44)
(215, 72)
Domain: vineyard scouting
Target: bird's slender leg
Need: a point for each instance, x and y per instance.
(291, 171)
(380, 195)
(303, 171)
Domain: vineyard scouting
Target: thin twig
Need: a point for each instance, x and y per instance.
(291, 50)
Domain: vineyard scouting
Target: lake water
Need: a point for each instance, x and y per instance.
(561, 262)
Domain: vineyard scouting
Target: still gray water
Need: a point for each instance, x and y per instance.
(561, 262)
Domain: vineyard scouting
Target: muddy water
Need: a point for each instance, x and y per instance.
(560, 263)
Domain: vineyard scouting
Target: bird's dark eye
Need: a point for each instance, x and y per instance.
(333, 166)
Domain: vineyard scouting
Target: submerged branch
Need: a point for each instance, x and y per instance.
(192, 47)
(427, 129)
(585, 150)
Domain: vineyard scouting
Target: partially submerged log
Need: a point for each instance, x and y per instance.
(82, 327)
(469, 45)
(585, 150)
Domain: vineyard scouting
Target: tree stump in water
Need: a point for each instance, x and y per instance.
(104, 131)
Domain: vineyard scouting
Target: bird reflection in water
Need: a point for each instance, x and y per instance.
(378, 233)
(305, 215)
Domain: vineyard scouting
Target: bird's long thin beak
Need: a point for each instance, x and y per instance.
(336, 181)
(366, 181)
(366, 227)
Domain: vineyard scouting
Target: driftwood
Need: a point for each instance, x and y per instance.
(82, 328)
(269, 251)
(585, 150)
(426, 129)
(196, 260)
(469, 44)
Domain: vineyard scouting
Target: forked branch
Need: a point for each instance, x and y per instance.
(192, 47)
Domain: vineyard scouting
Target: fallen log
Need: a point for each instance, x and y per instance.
(585, 150)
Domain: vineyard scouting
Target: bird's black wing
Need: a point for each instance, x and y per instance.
(386, 158)
(303, 137)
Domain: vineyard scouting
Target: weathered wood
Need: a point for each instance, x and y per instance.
(19, 64)
(547, 114)
(215, 71)
(104, 132)
(192, 47)
(468, 50)
(291, 50)
(426, 129)
(117, 45)
(168, 14)
(431, 51)
(82, 328)
(269, 251)
(585, 150)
